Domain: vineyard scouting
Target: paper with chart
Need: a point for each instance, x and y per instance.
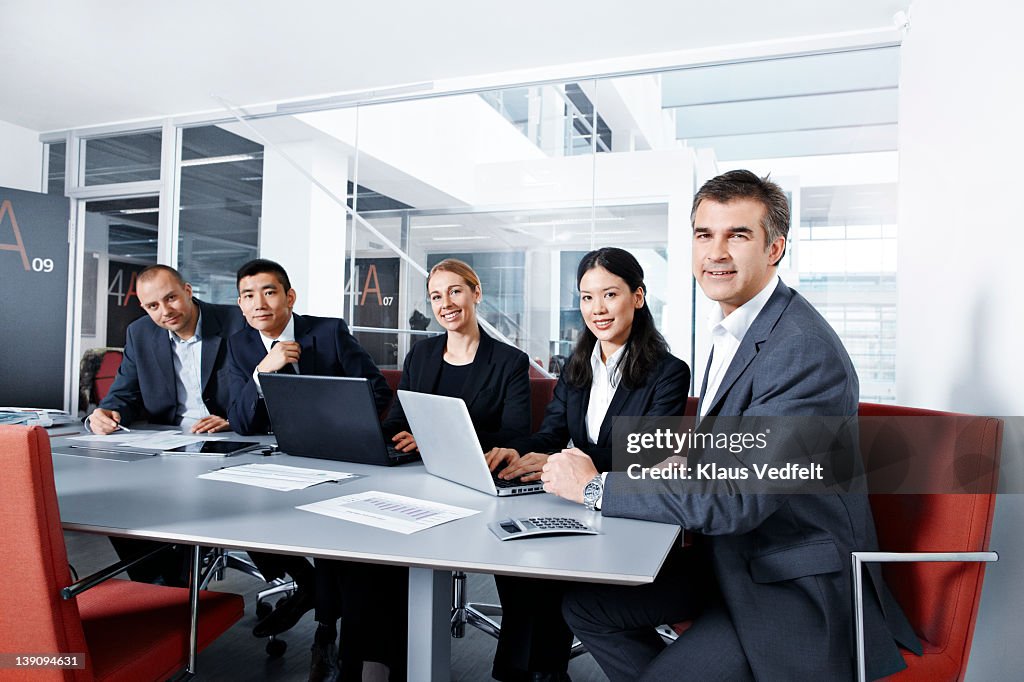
(389, 511)
(275, 476)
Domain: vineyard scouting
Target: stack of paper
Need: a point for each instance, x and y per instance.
(275, 476)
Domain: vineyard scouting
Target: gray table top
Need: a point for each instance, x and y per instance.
(161, 498)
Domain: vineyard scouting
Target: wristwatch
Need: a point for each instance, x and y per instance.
(593, 492)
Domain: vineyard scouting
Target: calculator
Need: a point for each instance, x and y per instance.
(533, 526)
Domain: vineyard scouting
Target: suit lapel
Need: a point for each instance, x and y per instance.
(165, 361)
(307, 342)
(615, 408)
(704, 384)
(755, 336)
(210, 343)
(427, 379)
(480, 370)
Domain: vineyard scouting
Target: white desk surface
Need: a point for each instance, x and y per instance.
(161, 498)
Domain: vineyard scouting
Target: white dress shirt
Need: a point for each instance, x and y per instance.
(187, 355)
(606, 378)
(727, 332)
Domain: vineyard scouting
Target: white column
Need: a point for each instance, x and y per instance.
(303, 227)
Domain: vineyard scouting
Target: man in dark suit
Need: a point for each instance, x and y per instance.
(174, 371)
(760, 560)
(278, 340)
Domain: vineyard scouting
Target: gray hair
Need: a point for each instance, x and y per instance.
(742, 184)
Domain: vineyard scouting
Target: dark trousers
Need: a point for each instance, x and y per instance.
(534, 636)
(323, 579)
(617, 625)
(169, 567)
(274, 566)
(374, 619)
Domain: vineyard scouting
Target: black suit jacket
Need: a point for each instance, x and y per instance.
(497, 391)
(145, 384)
(663, 394)
(782, 561)
(328, 349)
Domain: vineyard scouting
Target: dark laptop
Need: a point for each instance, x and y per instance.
(327, 418)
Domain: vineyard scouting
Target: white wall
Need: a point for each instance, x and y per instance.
(21, 158)
(961, 316)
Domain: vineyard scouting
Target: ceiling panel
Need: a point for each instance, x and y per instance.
(813, 74)
(870, 107)
(879, 138)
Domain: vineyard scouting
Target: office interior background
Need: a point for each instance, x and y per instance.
(359, 145)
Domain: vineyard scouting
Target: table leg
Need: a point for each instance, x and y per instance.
(193, 598)
(430, 646)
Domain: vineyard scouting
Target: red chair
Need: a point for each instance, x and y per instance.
(126, 631)
(541, 391)
(933, 546)
(104, 378)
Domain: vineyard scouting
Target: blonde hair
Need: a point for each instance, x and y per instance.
(456, 267)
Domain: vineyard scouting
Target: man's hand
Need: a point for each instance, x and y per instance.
(497, 457)
(211, 424)
(527, 468)
(404, 442)
(567, 473)
(103, 421)
(281, 354)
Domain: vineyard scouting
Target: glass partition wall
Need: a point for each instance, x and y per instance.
(359, 200)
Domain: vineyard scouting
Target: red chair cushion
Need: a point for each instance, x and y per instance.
(126, 627)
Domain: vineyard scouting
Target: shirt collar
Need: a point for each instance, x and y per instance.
(612, 366)
(198, 336)
(287, 335)
(738, 322)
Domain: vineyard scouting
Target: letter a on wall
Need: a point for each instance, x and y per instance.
(33, 309)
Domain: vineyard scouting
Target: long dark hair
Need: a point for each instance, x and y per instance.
(645, 348)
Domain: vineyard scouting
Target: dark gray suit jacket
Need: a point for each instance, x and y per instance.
(783, 560)
(145, 382)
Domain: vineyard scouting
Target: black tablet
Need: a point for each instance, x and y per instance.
(225, 448)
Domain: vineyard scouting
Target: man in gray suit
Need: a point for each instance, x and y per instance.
(756, 560)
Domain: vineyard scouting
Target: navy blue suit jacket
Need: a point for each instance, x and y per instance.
(663, 394)
(145, 385)
(784, 558)
(328, 349)
(497, 391)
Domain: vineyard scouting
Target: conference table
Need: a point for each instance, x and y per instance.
(161, 498)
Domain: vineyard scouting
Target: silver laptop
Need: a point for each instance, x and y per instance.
(449, 447)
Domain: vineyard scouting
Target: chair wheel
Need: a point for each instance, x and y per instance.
(276, 647)
(263, 609)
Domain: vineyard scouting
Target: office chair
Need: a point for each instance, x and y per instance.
(126, 630)
(933, 547)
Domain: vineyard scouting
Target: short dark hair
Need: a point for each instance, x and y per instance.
(742, 184)
(258, 266)
(645, 346)
(151, 271)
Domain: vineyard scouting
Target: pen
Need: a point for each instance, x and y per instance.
(123, 428)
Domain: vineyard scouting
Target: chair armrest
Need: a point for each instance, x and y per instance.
(860, 558)
(88, 582)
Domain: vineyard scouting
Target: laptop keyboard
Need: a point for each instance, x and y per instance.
(511, 483)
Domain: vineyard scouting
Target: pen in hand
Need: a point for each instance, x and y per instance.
(122, 428)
